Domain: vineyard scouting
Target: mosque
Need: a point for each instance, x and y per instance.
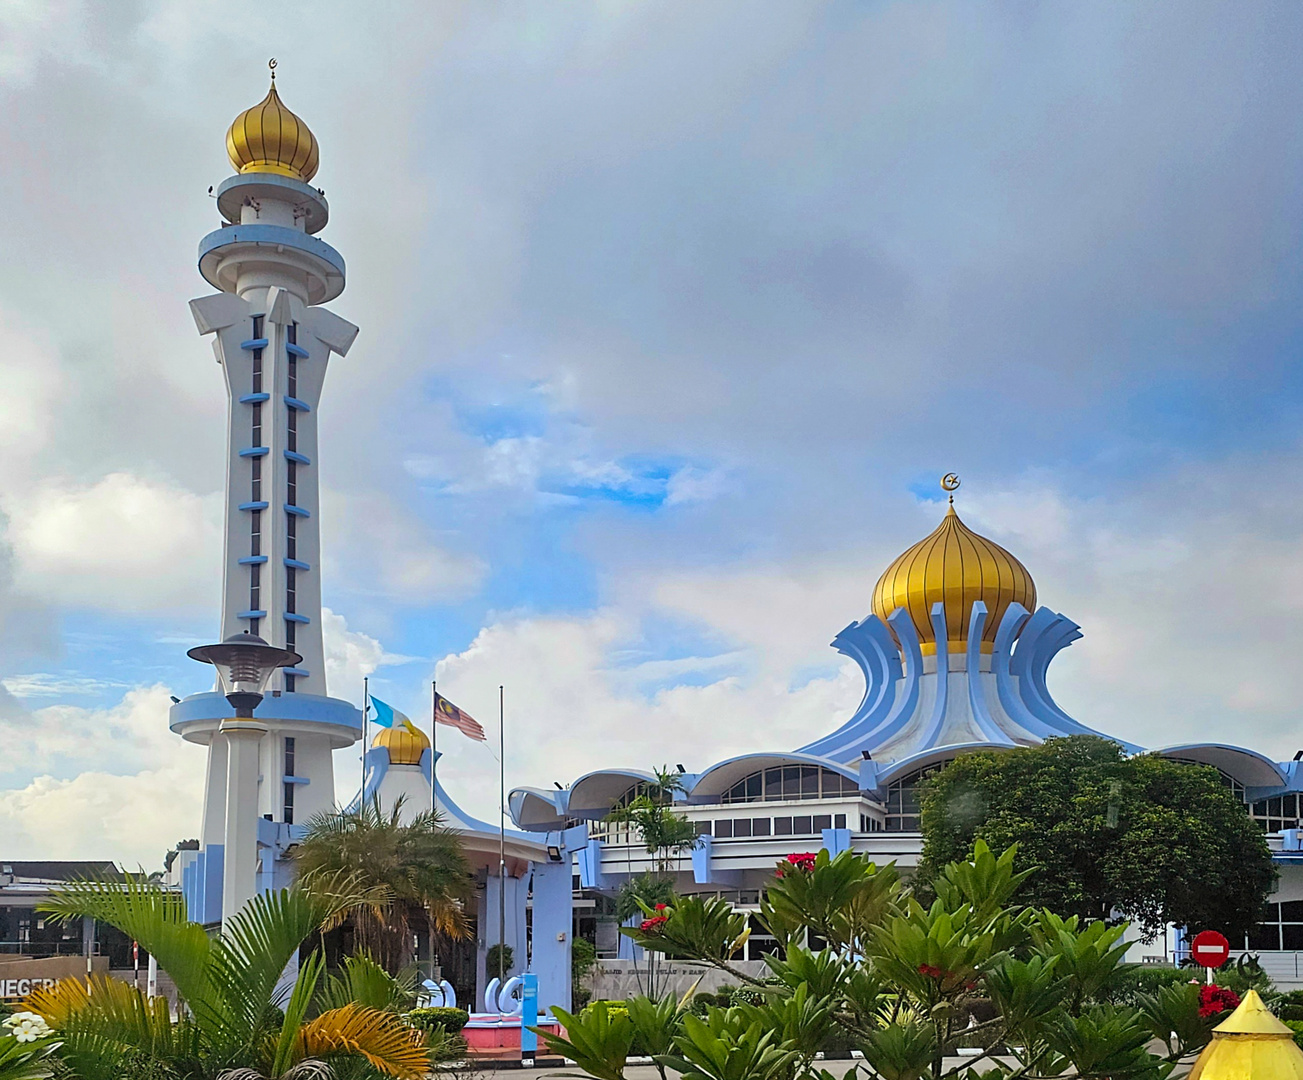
(954, 652)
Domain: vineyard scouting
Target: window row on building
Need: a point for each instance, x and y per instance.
(795, 825)
(792, 782)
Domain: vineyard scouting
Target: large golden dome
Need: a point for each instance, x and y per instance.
(269, 138)
(405, 744)
(956, 567)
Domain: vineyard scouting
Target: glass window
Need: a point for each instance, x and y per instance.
(809, 782)
(1291, 911)
(822, 821)
(791, 782)
(724, 829)
(1265, 937)
(839, 821)
(741, 826)
(1291, 937)
(903, 800)
(773, 785)
(782, 826)
(801, 826)
(760, 826)
(703, 828)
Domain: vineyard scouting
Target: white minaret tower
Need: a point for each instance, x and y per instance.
(273, 343)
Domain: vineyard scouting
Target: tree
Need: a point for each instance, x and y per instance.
(1035, 994)
(419, 868)
(1143, 838)
(650, 814)
(235, 1021)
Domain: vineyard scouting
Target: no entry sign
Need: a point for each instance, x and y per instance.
(1210, 949)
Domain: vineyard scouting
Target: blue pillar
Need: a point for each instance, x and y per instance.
(553, 925)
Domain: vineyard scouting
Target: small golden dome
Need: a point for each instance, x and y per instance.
(1250, 1044)
(956, 567)
(405, 744)
(269, 138)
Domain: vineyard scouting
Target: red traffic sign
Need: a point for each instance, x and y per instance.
(1210, 949)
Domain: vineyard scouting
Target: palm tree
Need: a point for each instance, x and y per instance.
(234, 1022)
(418, 866)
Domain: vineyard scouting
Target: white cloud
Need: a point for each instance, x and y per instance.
(111, 783)
(351, 656)
(45, 684)
(569, 708)
(130, 819)
(393, 549)
(124, 542)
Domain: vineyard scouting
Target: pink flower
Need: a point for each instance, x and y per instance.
(653, 925)
(803, 861)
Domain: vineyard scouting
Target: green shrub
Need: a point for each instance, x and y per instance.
(491, 966)
(1290, 1006)
(1296, 1026)
(448, 1020)
(1130, 984)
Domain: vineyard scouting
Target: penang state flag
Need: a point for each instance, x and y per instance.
(387, 715)
(445, 712)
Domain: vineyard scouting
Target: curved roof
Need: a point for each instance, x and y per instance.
(720, 777)
(1247, 766)
(537, 810)
(937, 755)
(594, 793)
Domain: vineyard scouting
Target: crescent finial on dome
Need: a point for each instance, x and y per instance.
(270, 138)
(956, 567)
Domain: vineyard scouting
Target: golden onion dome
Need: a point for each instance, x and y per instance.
(1250, 1044)
(405, 744)
(956, 567)
(269, 138)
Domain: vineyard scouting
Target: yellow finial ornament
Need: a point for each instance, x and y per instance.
(1250, 1044)
(269, 138)
(950, 483)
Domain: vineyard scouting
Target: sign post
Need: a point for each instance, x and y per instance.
(1210, 950)
(528, 1018)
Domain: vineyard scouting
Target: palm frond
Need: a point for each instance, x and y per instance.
(252, 953)
(305, 989)
(107, 1024)
(366, 982)
(383, 1039)
(145, 912)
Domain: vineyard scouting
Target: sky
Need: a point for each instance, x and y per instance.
(672, 315)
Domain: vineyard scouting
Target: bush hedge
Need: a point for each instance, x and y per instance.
(449, 1020)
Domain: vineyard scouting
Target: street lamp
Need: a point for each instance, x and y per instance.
(245, 664)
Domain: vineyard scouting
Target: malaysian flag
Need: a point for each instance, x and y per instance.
(445, 712)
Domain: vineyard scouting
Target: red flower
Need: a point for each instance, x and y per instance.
(1214, 999)
(931, 971)
(803, 861)
(662, 907)
(653, 925)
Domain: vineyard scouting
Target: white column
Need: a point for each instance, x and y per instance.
(239, 879)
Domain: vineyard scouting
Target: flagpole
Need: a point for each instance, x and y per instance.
(366, 708)
(502, 839)
(434, 747)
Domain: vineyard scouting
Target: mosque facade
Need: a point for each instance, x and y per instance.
(955, 653)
